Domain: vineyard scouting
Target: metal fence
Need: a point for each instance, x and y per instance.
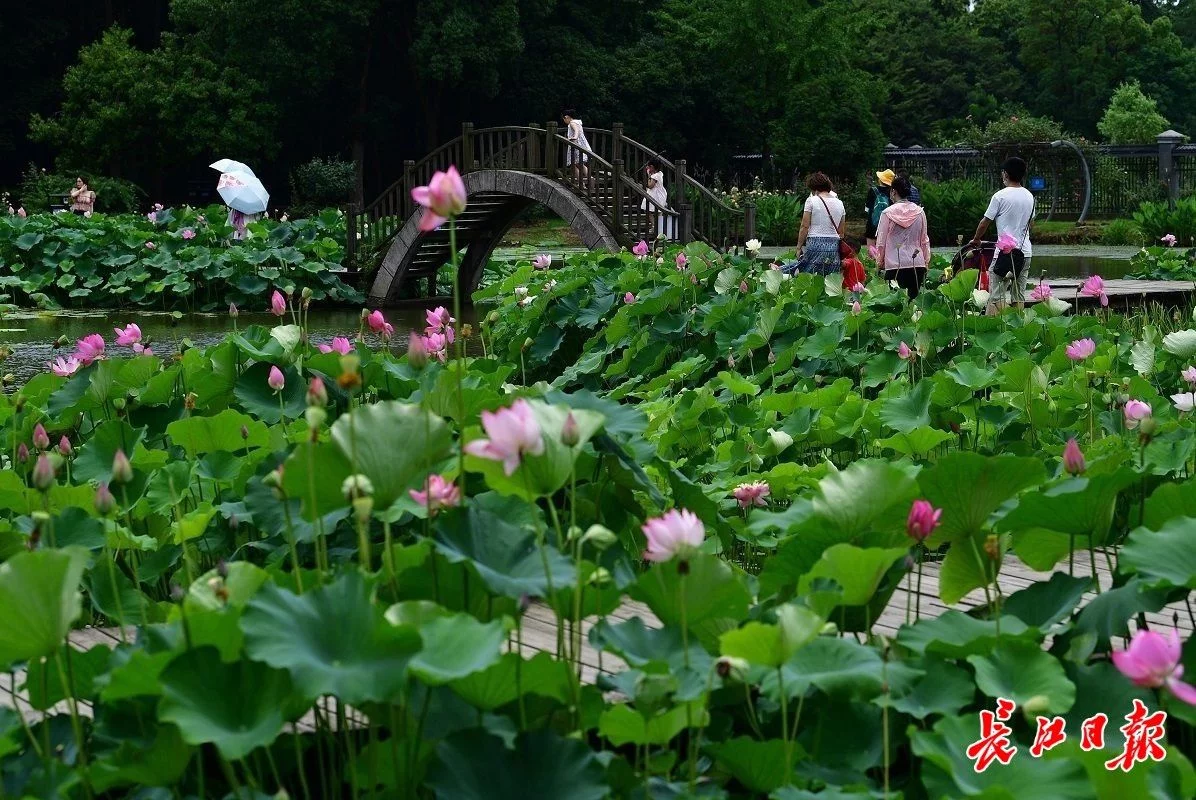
(1122, 176)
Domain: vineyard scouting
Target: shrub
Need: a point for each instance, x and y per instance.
(778, 217)
(321, 183)
(1132, 117)
(953, 208)
(41, 189)
(1121, 232)
(1161, 263)
(1156, 220)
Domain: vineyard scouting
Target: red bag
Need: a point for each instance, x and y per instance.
(853, 272)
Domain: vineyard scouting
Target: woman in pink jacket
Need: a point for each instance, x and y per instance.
(903, 240)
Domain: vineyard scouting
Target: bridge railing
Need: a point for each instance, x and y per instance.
(616, 189)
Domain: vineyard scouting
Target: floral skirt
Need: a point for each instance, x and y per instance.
(821, 256)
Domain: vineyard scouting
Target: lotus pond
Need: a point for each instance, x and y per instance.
(319, 566)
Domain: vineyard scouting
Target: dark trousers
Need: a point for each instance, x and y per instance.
(908, 278)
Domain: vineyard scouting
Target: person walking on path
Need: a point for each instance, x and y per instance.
(903, 239)
(657, 201)
(1012, 209)
(877, 202)
(821, 229)
(577, 155)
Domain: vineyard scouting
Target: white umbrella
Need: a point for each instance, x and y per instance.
(228, 165)
(242, 191)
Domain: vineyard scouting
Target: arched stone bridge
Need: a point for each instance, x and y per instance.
(508, 169)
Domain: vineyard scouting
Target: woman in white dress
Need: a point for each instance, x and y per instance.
(577, 155)
(657, 207)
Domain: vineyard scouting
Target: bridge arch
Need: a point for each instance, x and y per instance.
(496, 198)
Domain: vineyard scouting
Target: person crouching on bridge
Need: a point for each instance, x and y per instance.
(578, 153)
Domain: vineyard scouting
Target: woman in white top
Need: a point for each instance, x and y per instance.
(577, 155)
(821, 229)
(657, 202)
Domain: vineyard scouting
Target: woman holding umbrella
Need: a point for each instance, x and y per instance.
(243, 193)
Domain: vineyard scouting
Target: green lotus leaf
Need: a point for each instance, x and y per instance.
(39, 591)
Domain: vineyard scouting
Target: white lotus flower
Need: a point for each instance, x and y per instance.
(752, 245)
(980, 298)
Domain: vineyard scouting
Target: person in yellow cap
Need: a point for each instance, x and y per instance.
(878, 200)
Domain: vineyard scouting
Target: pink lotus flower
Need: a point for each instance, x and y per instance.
(276, 380)
(159, 207)
(129, 336)
(1169, 240)
(1135, 412)
(378, 323)
(1080, 349)
(858, 288)
(339, 345)
(43, 473)
(64, 367)
(640, 249)
(682, 261)
(629, 298)
(513, 433)
(1095, 287)
(90, 348)
(438, 493)
(232, 310)
(1073, 458)
(1189, 375)
(188, 233)
(417, 351)
(751, 494)
(678, 533)
(1006, 243)
(141, 350)
(21, 212)
(1184, 401)
(1042, 292)
(64, 447)
(693, 279)
(278, 304)
(904, 351)
(856, 308)
(22, 452)
(152, 216)
(542, 261)
(439, 320)
(923, 519)
(436, 346)
(443, 197)
(1152, 660)
(151, 246)
(41, 439)
(743, 287)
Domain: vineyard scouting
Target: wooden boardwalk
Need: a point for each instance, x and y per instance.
(539, 631)
(1116, 288)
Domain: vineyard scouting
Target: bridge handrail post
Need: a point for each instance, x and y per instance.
(405, 200)
(616, 143)
(533, 149)
(617, 213)
(352, 223)
(550, 149)
(686, 234)
(680, 191)
(466, 147)
(749, 221)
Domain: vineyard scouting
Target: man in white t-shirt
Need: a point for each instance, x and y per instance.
(1012, 208)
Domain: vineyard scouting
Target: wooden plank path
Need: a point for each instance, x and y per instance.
(1128, 288)
(539, 629)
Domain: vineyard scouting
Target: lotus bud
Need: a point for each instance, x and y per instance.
(9, 379)
(527, 343)
(244, 433)
(772, 357)
(599, 577)
(307, 293)
(119, 404)
(317, 395)
(731, 668)
(570, 435)
(417, 351)
(22, 453)
(466, 331)
(122, 470)
(599, 536)
(356, 486)
(315, 416)
(61, 341)
(64, 447)
(43, 473)
(104, 502)
(780, 440)
(492, 318)
(41, 439)
(1073, 458)
(232, 310)
(1146, 430)
(273, 480)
